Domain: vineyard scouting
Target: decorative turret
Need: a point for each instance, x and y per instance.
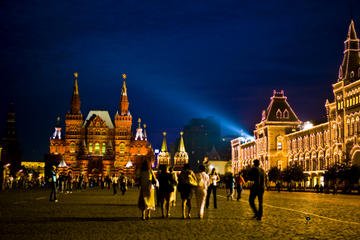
(181, 157)
(57, 133)
(164, 156)
(145, 135)
(75, 100)
(350, 68)
(124, 103)
(139, 132)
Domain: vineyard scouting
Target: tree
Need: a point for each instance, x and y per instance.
(274, 174)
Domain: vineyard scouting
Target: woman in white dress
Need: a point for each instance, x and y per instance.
(201, 189)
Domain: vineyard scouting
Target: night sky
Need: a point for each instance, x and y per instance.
(183, 60)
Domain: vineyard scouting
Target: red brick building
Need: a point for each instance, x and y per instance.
(97, 144)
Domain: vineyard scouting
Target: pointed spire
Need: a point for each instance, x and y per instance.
(145, 135)
(181, 145)
(124, 89)
(75, 100)
(164, 145)
(352, 33)
(124, 103)
(350, 68)
(139, 121)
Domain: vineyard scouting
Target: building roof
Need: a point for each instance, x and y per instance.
(350, 67)
(279, 109)
(213, 155)
(104, 115)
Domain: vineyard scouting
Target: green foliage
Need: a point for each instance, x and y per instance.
(293, 173)
(274, 174)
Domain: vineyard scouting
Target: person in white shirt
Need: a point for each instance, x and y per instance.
(214, 179)
(115, 180)
(201, 189)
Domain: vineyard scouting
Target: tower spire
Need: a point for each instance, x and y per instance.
(124, 102)
(75, 100)
(350, 68)
(145, 135)
(164, 155)
(164, 145)
(181, 145)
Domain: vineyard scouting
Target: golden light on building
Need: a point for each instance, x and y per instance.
(281, 140)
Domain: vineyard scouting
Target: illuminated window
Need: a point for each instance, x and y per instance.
(97, 148)
(347, 102)
(278, 114)
(122, 147)
(90, 148)
(342, 104)
(72, 147)
(352, 74)
(103, 148)
(56, 148)
(279, 145)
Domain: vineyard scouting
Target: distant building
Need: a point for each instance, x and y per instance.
(281, 140)
(98, 145)
(214, 160)
(10, 148)
(37, 167)
(199, 136)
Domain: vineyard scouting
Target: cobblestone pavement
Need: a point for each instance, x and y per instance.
(97, 214)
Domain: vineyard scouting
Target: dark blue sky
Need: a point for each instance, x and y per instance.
(183, 60)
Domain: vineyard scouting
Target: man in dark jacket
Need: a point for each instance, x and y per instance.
(257, 176)
(53, 185)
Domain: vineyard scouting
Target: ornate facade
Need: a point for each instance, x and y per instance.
(281, 139)
(97, 145)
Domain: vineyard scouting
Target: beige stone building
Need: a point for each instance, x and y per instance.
(281, 139)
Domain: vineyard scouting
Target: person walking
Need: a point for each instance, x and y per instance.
(115, 180)
(146, 180)
(214, 179)
(173, 193)
(187, 181)
(239, 182)
(257, 177)
(123, 183)
(166, 188)
(230, 184)
(201, 190)
(53, 185)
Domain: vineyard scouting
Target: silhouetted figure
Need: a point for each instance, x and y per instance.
(53, 185)
(187, 181)
(239, 181)
(123, 183)
(257, 176)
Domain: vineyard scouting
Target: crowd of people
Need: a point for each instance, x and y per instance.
(163, 186)
(160, 189)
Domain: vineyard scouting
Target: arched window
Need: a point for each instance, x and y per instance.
(56, 148)
(72, 147)
(279, 143)
(278, 114)
(286, 114)
(348, 126)
(90, 147)
(122, 147)
(103, 150)
(97, 148)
